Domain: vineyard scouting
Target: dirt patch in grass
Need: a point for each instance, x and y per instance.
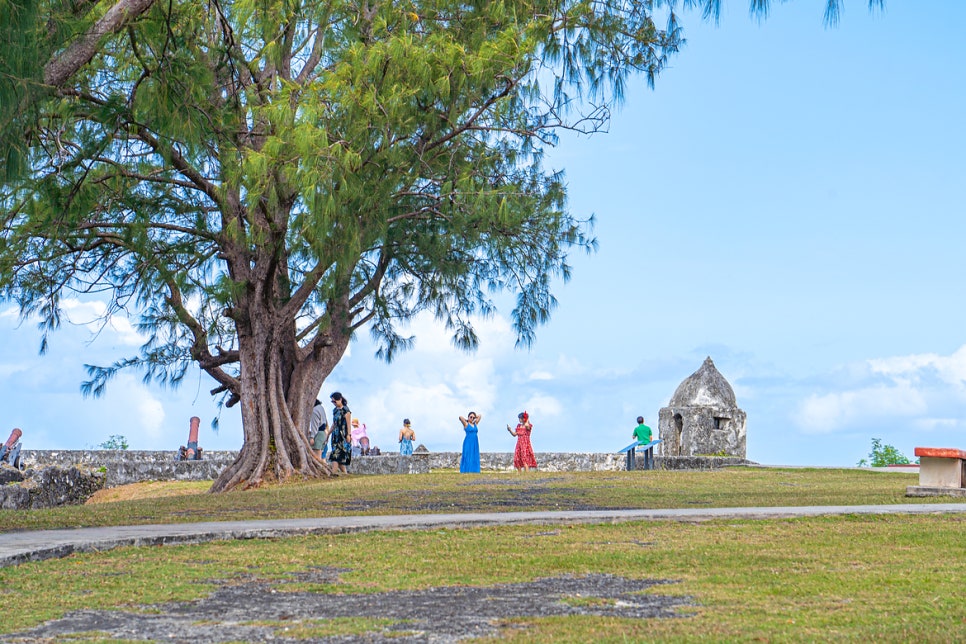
(253, 610)
(148, 490)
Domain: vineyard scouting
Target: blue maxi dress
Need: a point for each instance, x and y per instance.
(470, 459)
(406, 447)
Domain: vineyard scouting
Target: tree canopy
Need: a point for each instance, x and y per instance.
(256, 180)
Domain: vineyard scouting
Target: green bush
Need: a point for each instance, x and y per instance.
(115, 441)
(883, 455)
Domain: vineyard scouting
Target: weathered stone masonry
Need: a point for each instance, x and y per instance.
(131, 466)
(703, 418)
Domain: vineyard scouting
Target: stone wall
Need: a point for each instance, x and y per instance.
(130, 466)
(121, 467)
(47, 486)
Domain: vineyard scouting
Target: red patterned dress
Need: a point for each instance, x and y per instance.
(523, 454)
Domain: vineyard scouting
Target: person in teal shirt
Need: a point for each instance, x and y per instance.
(642, 432)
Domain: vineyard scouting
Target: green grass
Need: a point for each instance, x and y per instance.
(861, 577)
(892, 578)
(453, 492)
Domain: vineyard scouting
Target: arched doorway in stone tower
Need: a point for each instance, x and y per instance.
(678, 431)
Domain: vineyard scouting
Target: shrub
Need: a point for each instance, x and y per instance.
(115, 441)
(883, 455)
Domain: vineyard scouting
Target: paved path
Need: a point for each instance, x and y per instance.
(19, 547)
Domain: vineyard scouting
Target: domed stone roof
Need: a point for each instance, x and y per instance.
(706, 387)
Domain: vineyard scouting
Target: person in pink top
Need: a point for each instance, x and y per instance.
(523, 458)
(358, 433)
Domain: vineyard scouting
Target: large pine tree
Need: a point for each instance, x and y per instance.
(255, 180)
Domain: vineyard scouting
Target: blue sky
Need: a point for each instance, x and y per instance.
(788, 200)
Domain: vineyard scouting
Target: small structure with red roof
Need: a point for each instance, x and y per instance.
(942, 472)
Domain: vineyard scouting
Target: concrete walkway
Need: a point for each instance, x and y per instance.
(20, 547)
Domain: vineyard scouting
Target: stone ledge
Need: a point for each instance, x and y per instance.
(927, 490)
(121, 467)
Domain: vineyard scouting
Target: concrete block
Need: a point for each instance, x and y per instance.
(940, 472)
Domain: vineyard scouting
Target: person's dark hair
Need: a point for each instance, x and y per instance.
(317, 402)
(472, 413)
(640, 420)
(405, 421)
(338, 396)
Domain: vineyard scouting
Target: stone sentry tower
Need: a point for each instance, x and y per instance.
(703, 418)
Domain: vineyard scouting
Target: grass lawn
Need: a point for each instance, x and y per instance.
(448, 491)
(860, 577)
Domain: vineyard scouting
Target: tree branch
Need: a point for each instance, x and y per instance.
(65, 64)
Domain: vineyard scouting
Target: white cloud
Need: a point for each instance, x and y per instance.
(85, 312)
(90, 314)
(830, 412)
(541, 375)
(569, 365)
(433, 395)
(495, 334)
(432, 386)
(432, 408)
(151, 412)
(126, 333)
(916, 390)
(12, 368)
(436, 383)
(475, 382)
(543, 407)
(932, 424)
(130, 409)
(950, 369)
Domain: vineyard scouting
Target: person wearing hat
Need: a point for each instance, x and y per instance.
(406, 438)
(359, 437)
(523, 458)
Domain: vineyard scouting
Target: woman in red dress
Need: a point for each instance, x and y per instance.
(523, 458)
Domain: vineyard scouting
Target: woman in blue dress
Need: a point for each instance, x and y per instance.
(470, 458)
(406, 438)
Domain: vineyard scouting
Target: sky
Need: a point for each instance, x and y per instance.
(788, 200)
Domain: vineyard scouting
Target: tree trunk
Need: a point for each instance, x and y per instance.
(278, 390)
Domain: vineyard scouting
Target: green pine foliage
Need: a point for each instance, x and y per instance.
(257, 180)
(389, 155)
